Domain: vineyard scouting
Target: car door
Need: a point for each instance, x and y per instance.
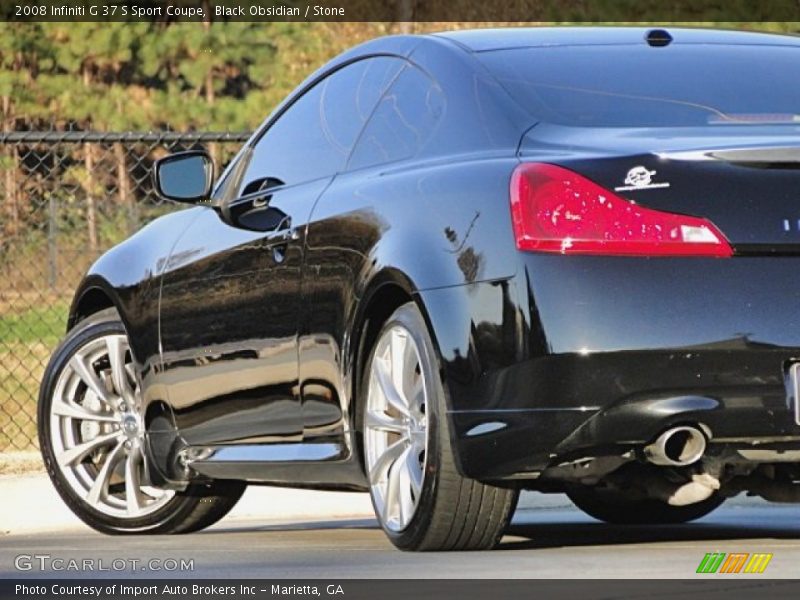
(231, 289)
(346, 224)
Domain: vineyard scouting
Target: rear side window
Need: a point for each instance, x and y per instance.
(315, 135)
(639, 86)
(402, 122)
(348, 99)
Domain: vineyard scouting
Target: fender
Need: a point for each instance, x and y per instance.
(128, 276)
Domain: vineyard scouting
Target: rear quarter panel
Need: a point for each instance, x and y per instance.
(444, 226)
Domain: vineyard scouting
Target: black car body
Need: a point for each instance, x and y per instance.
(393, 175)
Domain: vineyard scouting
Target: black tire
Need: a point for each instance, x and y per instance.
(453, 512)
(191, 510)
(614, 507)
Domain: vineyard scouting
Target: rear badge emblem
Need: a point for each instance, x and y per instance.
(640, 178)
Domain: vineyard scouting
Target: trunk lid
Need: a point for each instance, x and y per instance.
(747, 182)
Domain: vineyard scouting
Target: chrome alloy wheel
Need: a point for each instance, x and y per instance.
(97, 430)
(396, 428)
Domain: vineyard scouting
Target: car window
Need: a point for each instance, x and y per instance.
(639, 86)
(314, 137)
(222, 188)
(402, 122)
(348, 99)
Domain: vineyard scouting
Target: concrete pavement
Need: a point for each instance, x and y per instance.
(280, 533)
(31, 504)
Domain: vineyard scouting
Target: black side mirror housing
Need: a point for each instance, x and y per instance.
(184, 176)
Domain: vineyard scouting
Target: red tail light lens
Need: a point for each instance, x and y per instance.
(557, 210)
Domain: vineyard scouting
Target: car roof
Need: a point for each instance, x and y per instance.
(483, 40)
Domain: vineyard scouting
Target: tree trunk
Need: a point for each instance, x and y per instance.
(405, 16)
(91, 205)
(125, 197)
(123, 182)
(213, 149)
(10, 182)
(10, 174)
(88, 162)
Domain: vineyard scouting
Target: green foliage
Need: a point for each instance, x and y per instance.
(221, 75)
(182, 76)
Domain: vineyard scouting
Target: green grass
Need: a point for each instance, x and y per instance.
(21, 368)
(27, 337)
(36, 324)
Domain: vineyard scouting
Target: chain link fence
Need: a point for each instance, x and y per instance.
(66, 198)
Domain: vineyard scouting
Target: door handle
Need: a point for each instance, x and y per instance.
(281, 243)
(285, 231)
(283, 236)
(290, 235)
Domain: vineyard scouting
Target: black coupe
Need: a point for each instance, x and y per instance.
(450, 267)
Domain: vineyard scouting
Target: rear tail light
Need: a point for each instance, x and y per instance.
(557, 210)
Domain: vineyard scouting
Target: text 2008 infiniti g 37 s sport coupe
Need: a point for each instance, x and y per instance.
(450, 267)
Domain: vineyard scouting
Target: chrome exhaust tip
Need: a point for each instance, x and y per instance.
(677, 447)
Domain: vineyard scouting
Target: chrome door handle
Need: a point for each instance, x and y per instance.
(287, 235)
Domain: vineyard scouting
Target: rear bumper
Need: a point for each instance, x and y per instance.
(624, 400)
(579, 355)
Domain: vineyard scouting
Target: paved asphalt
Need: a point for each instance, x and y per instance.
(555, 541)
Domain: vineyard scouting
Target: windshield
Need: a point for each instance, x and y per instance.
(640, 86)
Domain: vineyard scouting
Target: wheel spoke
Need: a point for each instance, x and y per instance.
(398, 345)
(383, 422)
(152, 493)
(409, 372)
(414, 470)
(71, 410)
(392, 499)
(133, 501)
(386, 460)
(119, 376)
(89, 377)
(416, 396)
(418, 393)
(405, 501)
(75, 454)
(390, 392)
(100, 485)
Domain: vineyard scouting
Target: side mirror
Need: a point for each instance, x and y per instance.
(184, 176)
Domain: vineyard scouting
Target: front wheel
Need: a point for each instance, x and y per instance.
(91, 434)
(420, 499)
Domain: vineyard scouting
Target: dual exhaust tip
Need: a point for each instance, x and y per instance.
(677, 447)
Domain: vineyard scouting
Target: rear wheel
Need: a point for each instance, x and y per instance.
(420, 499)
(91, 434)
(615, 507)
